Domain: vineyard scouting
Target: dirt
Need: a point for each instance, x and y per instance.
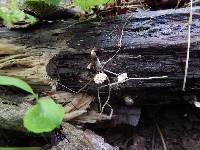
(179, 125)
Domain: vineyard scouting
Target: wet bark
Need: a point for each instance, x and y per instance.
(154, 43)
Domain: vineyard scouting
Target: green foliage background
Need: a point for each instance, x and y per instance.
(87, 4)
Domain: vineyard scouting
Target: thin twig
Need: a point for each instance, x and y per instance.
(106, 103)
(99, 98)
(119, 45)
(84, 86)
(153, 140)
(148, 78)
(161, 136)
(188, 48)
(66, 87)
(108, 71)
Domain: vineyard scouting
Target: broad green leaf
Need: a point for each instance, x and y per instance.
(45, 116)
(87, 4)
(11, 81)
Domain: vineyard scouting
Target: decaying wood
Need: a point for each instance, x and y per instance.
(77, 109)
(83, 140)
(16, 61)
(13, 108)
(11, 113)
(154, 43)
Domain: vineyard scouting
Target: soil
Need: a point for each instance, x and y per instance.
(179, 125)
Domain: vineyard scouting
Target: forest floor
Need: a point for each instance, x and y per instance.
(178, 124)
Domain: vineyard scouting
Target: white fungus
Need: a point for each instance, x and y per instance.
(100, 78)
(122, 78)
(197, 104)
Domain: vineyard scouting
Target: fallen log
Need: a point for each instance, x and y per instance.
(85, 140)
(153, 43)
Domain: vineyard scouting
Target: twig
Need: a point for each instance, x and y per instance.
(178, 3)
(188, 48)
(108, 71)
(119, 45)
(99, 98)
(148, 78)
(84, 86)
(161, 136)
(153, 140)
(106, 103)
(108, 98)
(66, 87)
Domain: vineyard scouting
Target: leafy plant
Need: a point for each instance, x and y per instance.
(88, 4)
(12, 15)
(45, 116)
(10, 81)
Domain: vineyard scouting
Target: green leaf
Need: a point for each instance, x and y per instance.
(52, 2)
(87, 4)
(13, 16)
(11, 81)
(45, 116)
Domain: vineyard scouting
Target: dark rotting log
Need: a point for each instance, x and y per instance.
(154, 43)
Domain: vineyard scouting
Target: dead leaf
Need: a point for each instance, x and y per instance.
(92, 117)
(79, 102)
(73, 114)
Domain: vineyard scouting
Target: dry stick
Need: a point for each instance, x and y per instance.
(188, 48)
(148, 78)
(120, 42)
(66, 87)
(153, 140)
(106, 103)
(99, 98)
(161, 136)
(85, 86)
(178, 2)
(108, 71)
